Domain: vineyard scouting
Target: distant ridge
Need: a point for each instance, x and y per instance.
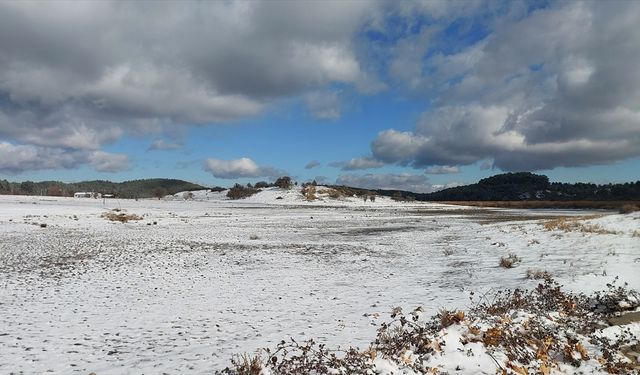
(525, 186)
(521, 186)
(145, 188)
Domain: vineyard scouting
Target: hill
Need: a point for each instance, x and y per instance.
(146, 188)
(524, 186)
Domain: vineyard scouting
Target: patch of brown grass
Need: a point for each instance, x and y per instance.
(309, 192)
(117, 215)
(332, 193)
(537, 274)
(573, 224)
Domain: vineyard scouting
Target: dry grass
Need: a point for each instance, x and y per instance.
(247, 365)
(116, 215)
(602, 205)
(332, 193)
(574, 224)
(309, 192)
(537, 274)
(509, 261)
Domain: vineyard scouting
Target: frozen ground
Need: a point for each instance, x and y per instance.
(213, 277)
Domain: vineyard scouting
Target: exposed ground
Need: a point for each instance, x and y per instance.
(194, 282)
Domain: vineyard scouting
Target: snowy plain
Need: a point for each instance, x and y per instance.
(196, 281)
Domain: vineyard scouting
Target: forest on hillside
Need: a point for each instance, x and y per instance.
(147, 188)
(529, 186)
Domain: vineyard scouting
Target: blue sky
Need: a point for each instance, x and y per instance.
(407, 95)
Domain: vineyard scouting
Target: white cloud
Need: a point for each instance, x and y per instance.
(312, 164)
(403, 181)
(393, 146)
(442, 169)
(97, 71)
(107, 162)
(15, 159)
(556, 87)
(239, 168)
(357, 163)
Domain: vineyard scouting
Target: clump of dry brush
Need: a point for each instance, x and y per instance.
(117, 215)
(524, 332)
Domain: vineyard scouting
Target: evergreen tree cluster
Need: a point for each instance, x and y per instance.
(146, 188)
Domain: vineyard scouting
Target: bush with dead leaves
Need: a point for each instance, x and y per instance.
(524, 332)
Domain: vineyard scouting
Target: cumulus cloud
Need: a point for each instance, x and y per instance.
(402, 181)
(556, 87)
(442, 169)
(239, 168)
(357, 163)
(107, 162)
(77, 77)
(312, 164)
(15, 159)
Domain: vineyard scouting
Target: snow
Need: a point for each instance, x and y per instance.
(214, 277)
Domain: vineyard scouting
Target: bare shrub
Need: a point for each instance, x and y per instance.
(448, 318)
(510, 261)
(247, 365)
(241, 192)
(217, 189)
(284, 182)
(533, 274)
(534, 344)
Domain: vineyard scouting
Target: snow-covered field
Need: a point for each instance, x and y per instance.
(196, 281)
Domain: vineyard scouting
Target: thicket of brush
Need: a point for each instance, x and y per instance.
(515, 327)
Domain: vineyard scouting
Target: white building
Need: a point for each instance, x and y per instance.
(86, 194)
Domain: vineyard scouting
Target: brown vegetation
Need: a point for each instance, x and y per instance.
(537, 274)
(573, 224)
(532, 344)
(600, 205)
(509, 261)
(116, 215)
(309, 192)
(240, 192)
